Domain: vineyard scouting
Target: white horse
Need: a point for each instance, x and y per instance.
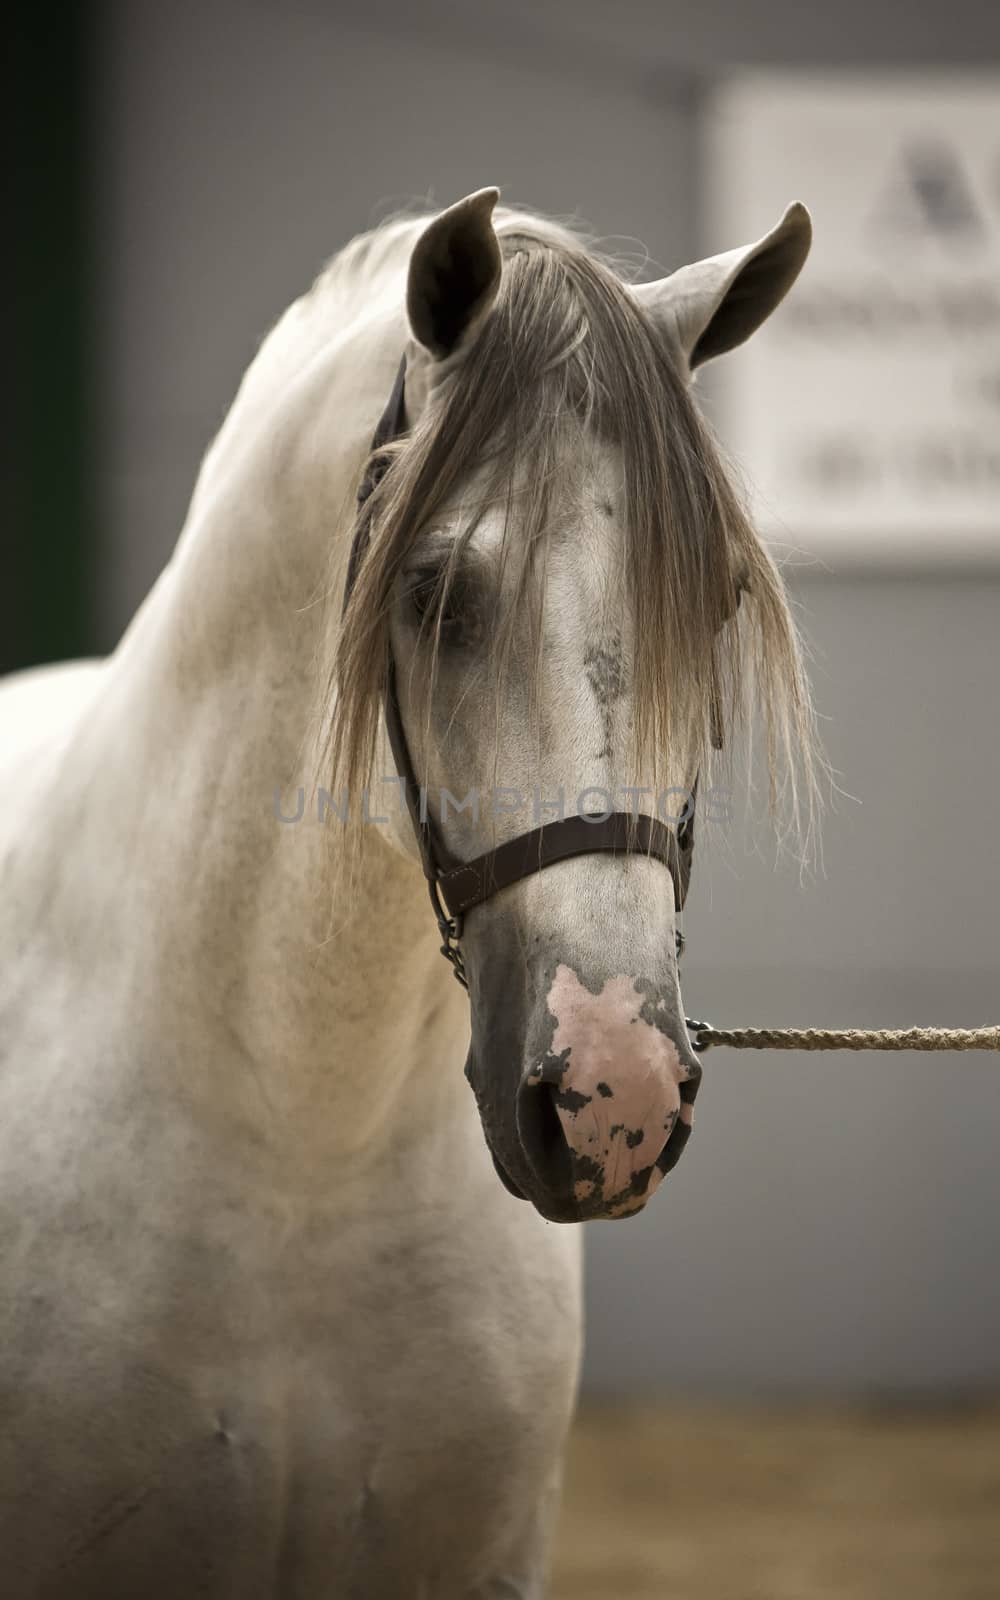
(271, 1324)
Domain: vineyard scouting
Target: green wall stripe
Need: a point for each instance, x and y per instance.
(47, 611)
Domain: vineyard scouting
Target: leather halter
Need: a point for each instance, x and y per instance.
(456, 886)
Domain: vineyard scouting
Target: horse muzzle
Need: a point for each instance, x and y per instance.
(603, 1104)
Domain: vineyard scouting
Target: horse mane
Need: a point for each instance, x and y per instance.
(566, 354)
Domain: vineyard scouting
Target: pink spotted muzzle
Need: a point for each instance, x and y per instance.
(614, 1090)
(585, 1079)
(617, 1082)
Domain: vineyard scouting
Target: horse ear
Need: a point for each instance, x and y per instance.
(713, 305)
(454, 274)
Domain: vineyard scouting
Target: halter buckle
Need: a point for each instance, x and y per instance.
(450, 929)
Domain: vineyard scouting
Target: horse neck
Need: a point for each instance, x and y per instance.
(209, 711)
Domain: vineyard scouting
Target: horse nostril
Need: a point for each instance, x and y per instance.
(542, 1135)
(549, 1127)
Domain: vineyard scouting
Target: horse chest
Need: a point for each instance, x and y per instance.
(225, 1412)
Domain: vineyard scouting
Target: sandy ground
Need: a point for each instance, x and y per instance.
(669, 1503)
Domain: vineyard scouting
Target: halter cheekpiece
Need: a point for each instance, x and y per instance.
(456, 886)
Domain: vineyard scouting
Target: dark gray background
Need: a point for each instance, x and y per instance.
(835, 1223)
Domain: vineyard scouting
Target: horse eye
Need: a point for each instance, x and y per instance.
(424, 594)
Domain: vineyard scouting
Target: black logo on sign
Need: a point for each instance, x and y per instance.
(929, 195)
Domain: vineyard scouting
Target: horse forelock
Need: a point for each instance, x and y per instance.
(566, 357)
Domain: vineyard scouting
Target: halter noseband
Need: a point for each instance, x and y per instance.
(456, 886)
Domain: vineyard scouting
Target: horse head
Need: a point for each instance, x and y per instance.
(552, 583)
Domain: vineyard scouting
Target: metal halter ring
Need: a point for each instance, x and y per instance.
(695, 1032)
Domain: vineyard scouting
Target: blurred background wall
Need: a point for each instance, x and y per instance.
(834, 1226)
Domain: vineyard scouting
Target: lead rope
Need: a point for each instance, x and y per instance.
(704, 1037)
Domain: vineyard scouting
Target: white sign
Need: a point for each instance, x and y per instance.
(866, 413)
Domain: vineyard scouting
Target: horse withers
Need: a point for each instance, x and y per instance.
(285, 1308)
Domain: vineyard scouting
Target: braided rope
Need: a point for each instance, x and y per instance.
(846, 1038)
